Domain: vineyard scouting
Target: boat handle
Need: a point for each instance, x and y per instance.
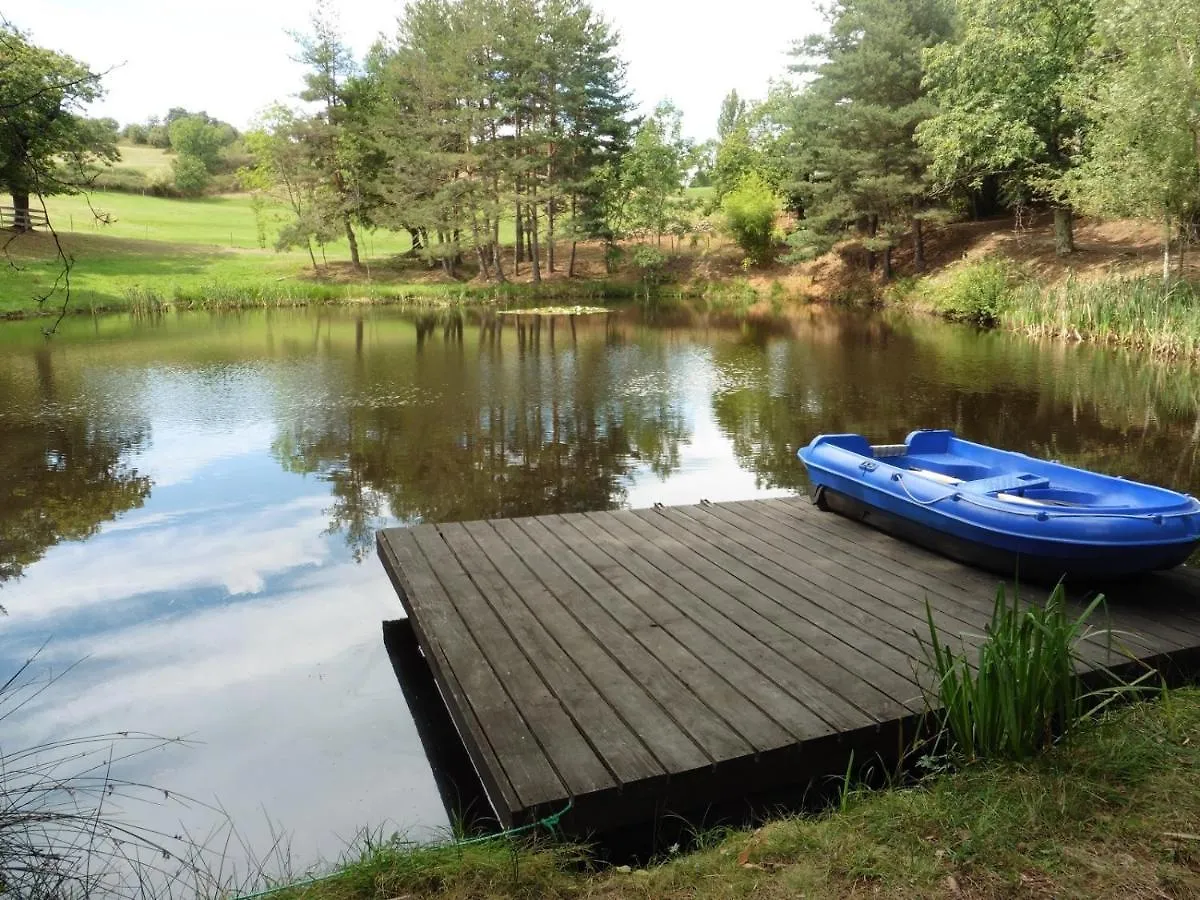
(1041, 515)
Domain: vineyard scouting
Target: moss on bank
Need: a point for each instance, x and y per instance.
(1113, 814)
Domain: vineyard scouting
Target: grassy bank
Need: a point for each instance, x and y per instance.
(1136, 311)
(145, 253)
(1114, 813)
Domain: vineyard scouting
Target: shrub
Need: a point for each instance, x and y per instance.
(750, 212)
(649, 262)
(979, 292)
(191, 176)
(1022, 692)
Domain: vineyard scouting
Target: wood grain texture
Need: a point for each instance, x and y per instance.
(640, 663)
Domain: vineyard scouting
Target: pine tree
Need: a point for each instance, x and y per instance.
(854, 161)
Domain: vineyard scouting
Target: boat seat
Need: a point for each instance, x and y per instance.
(1013, 481)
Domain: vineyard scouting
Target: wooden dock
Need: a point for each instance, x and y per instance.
(639, 663)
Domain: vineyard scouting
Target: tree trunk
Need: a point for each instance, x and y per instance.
(415, 237)
(496, 254)
(311, 255)
(887, 264)
(484, 269)
(21, 220)
(918, 245)
(872, 228)
(534, 250)
(550, 236)
(353, 242)
(1166, 244)
(520, 257)
(574, 243)
(1064, 231)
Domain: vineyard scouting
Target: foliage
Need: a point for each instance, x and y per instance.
(1021, 693)
(1142, 153)
(191, 175)
(1003, 89)
(46, 144)
(978, 292)
(652, 173)
(852, 160)
(1137, 312)
(193, 136)
(750, 212)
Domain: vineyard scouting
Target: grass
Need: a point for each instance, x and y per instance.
(1110, 813)
(1022, 692)
(225, 221)
(1139, 312)
(145, 159)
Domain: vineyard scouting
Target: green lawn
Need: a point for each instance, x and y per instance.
(225, 221)
(149, 160)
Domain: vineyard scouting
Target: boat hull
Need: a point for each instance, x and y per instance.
(1098, 567)
(1004, 512)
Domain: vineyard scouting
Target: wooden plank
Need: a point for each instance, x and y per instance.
(515, 771)
(809, 671)
(702, 705)
(855, 652)
(783, 689)
(970, 587)
(648, 741)
(743, 709)
(577, 765)
(867, 603)
(643, 661)
(522, 606)
(971, 608)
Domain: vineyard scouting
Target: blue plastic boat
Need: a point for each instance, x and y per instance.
(1004, 511)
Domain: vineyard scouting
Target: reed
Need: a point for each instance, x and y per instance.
(1138, 312)
(1022, 692)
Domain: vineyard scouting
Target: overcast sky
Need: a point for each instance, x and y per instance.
(231, 57)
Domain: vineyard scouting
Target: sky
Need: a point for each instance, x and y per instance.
(231, 58)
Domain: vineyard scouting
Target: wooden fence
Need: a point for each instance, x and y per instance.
(29, 219)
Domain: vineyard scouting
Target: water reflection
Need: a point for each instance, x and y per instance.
(453, 432)
(190, 499)
(65, 472)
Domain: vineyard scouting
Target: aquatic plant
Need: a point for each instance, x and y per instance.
(1022, 692)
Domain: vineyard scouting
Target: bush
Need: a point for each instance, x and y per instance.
(650, 263)
(1023, 691)
(979, 292)
(750, 212)
(191, 176)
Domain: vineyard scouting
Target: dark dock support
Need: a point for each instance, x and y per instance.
(643, 663)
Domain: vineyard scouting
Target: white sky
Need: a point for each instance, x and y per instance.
(231, 57)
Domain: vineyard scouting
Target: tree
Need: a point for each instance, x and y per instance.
(281, 170)
(853, 161)
(493, 109)
(1004, 90)
(46, 144)
(652, 175)
(750, 211)
(191, 175)
(334, 134)
(733, 113)
(1142, 152)
(195, 137)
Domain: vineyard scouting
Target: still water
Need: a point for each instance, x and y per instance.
(187, 505)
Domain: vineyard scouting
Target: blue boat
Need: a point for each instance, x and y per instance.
(1004, 511)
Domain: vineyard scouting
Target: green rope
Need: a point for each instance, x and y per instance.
(549, 822)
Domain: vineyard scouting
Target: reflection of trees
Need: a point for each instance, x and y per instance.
(63, 475)
(884, 379)
(483, 425)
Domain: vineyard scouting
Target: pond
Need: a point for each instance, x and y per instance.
(188, 504)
